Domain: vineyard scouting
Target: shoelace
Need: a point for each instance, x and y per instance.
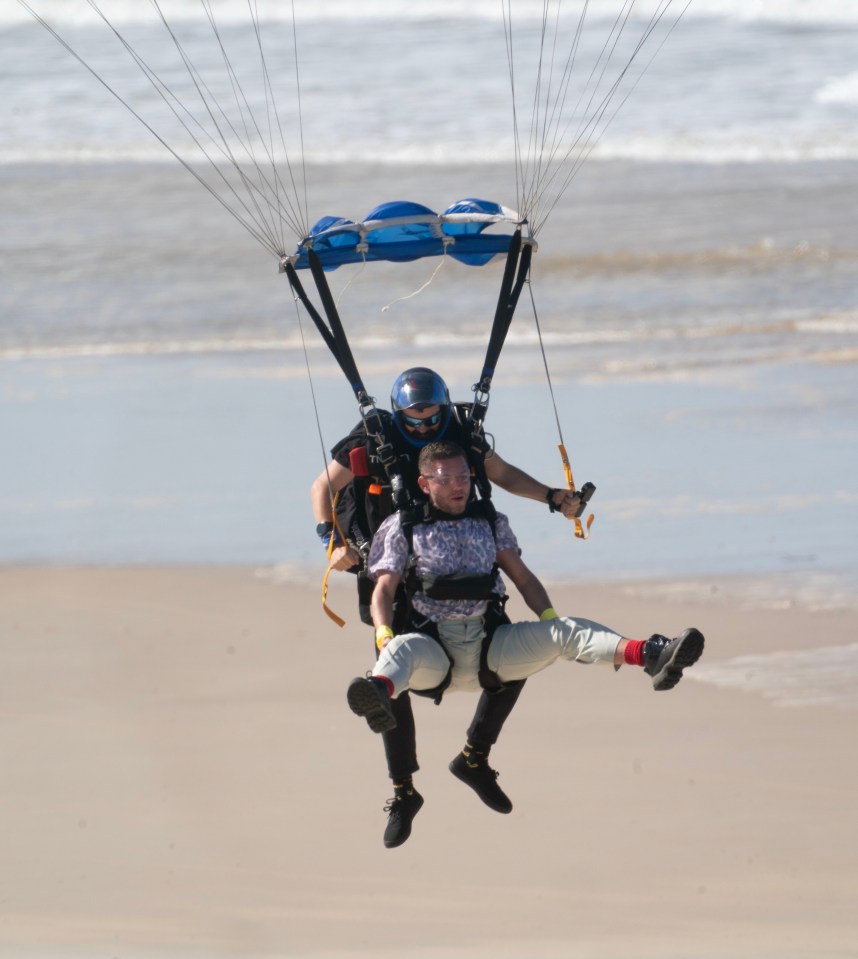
(399, 797)
(481, 763)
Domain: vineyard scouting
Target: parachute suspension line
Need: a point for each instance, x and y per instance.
(333, 497)
(248, 225)
(548, 106)
(214, 110)
(261, 188)
(272, 117)
(590, 134)
(555, 148)
(507, 21)
(300, 293)
(419, 289)
(554, 106)
(258, 229)
(545, 108)
(312, 387)
(272, 190)
(245, 112)
(299, 103)
(264, 192)
(592, 119)
(588, 489)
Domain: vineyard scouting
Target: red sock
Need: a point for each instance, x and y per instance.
(633, 653)
(387, 682)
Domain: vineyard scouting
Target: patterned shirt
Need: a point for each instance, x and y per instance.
(445, 546)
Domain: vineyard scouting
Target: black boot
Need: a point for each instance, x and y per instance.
(369, 698)
(473, 769)
(664, 659)
(401, 810)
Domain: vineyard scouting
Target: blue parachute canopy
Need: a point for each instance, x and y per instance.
(401, 231)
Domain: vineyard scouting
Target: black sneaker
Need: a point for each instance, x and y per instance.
(664, 659)
(369, 698)
(475, 771)
(401, 810)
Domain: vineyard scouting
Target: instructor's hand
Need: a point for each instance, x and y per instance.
(344, 557)
(566, 502)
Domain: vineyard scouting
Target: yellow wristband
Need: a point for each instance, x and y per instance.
(381, 634)
(546, 614)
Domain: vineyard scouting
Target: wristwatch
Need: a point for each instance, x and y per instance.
(323, 529)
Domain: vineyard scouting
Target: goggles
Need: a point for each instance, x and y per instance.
(415, 422)
(448, 479)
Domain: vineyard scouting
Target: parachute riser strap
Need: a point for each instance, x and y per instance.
(343, 350)
(503, 314)
(301, 293)
(584, 495)
(515, 275)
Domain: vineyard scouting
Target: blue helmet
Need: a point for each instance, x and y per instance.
(419, 388)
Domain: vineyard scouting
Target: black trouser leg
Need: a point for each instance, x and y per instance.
(400, 744)
(491, 713)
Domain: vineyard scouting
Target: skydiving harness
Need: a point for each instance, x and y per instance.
(515, 275)
(452, 586)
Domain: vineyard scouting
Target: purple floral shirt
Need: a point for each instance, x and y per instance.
(446, 546)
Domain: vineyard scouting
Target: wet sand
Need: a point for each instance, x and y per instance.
(183, 778)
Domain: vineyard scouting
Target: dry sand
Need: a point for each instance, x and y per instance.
(182, 778)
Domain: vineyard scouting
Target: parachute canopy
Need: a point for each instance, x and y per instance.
(400, 231)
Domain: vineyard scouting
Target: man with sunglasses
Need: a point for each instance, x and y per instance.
(451, 564)
(421, 412)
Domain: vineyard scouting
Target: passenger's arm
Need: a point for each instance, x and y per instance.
(381, 604)
(525, 581)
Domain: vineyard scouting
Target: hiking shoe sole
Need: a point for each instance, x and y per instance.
(684, 651)
(367, 699)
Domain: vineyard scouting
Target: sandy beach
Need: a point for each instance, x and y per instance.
(183, 778)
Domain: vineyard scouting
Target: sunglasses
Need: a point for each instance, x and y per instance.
(415, 422)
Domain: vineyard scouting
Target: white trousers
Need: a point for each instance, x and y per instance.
(518, 650)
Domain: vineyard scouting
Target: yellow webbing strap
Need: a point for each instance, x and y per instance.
(328, 611)
(580, 531)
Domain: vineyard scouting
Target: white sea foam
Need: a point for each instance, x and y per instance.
(839, 90)
(731, 107)
(814, 12)
(824, 676)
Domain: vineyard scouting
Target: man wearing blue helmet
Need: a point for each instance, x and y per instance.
(421, 413)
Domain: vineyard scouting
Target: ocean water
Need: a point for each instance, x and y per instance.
(695, 286)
